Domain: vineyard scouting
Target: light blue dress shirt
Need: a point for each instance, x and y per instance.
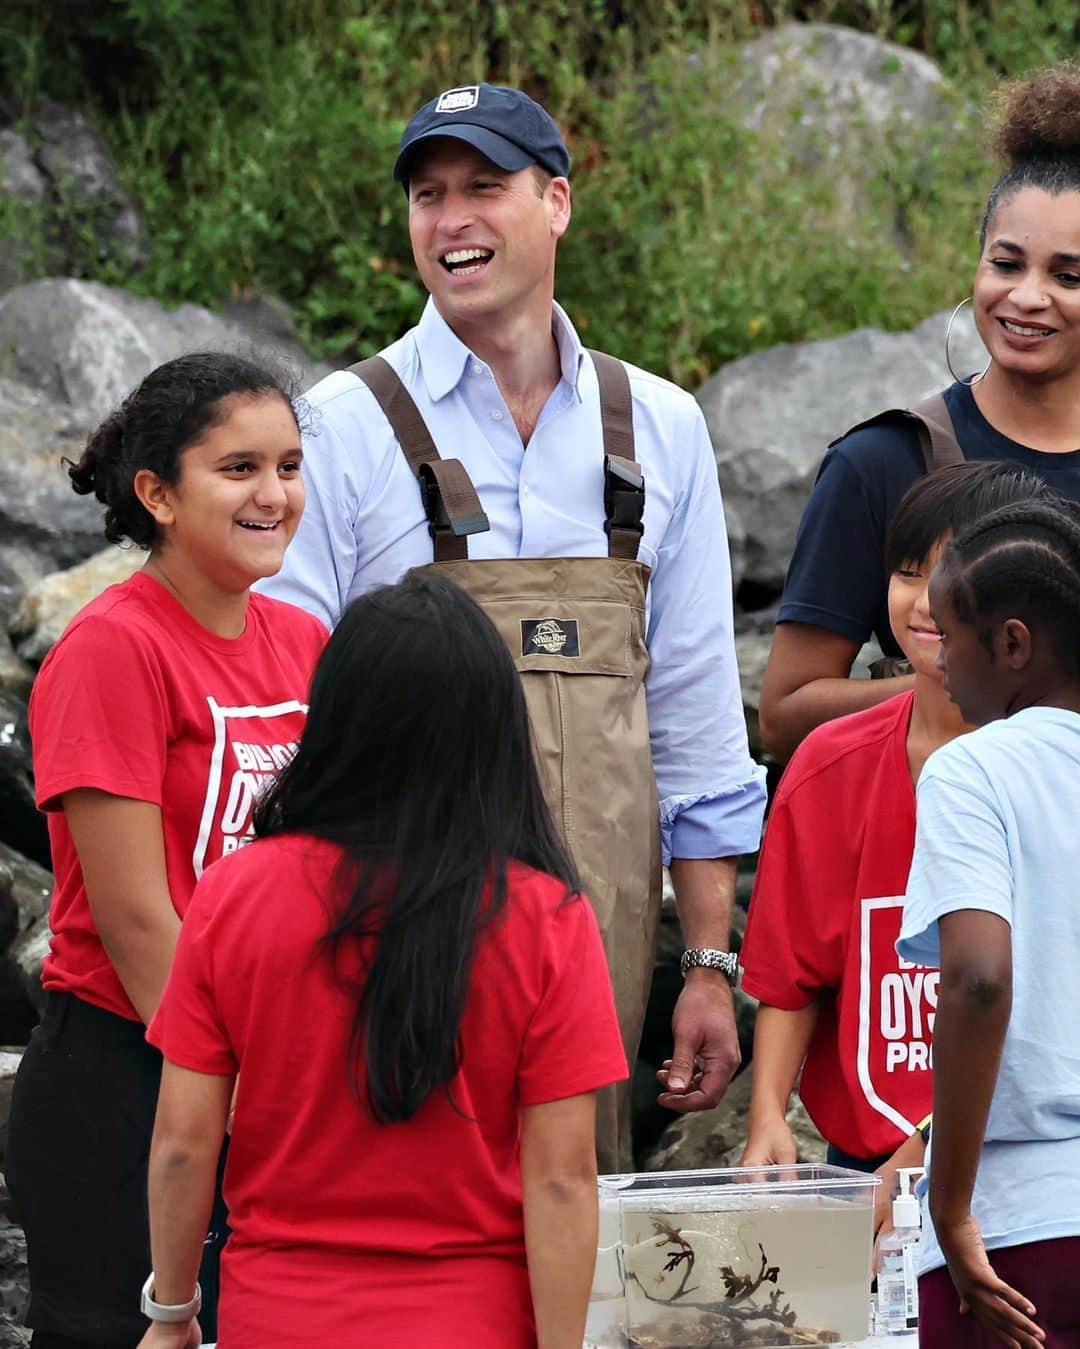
(364, 525)
(997, 831)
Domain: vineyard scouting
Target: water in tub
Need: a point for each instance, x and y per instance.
(792, 1272)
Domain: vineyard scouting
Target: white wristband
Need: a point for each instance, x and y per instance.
(159, 1311)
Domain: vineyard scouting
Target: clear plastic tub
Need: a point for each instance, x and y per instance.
(746, 1258)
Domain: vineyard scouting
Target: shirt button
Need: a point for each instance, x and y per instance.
(477, 368)
(496, 416)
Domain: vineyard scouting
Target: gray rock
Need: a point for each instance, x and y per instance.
(23, 824)
(752, 655)
(15, 675)
(43, 523)
(49, 606)
(89, 345)
(25, 957)
(771, 416)
(716, 1138)
(829, 95)
(9, 1066)
(25, 891)
(14, 1283)
(20, 176)
(20, 566)
(24, 248)
(84, 184)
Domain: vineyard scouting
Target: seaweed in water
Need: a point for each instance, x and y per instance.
(741, 1318)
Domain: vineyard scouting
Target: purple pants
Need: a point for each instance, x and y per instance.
(1047, 1272)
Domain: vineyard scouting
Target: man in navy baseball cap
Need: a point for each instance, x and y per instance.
(532, 429)
(505, 125)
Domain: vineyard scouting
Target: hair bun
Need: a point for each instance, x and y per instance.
(1040, 116)
(100, 459)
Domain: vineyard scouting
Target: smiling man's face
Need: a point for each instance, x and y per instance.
(483, 239)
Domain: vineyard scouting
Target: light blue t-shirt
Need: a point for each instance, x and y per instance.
(998, 829)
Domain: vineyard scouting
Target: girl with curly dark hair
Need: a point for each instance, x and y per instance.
(164, 707)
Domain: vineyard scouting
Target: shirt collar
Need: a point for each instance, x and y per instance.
(444, 357)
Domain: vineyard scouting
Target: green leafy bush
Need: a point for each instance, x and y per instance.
(258, 139)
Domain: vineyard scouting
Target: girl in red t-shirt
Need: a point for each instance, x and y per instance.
(415, 1004)
(155, 719)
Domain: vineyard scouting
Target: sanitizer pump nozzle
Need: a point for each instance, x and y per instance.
(898, 1284)
(905, 1209)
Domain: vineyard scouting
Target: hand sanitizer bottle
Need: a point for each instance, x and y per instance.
(898, 1285)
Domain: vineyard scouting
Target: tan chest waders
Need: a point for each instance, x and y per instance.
(575, 627)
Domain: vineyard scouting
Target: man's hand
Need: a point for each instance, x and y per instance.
(706, 1051)
(1007, 1314)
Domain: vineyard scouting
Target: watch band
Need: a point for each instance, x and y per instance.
(705, 957)
(173, 1313)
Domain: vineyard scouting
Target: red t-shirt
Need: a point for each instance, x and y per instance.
(139, 700)
(345, 1231)
(823, 922)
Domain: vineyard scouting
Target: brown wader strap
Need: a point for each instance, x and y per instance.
(450, 502)
(624, 484)
(937, 437)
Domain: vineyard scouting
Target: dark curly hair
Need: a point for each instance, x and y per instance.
(1038, 135)
(172, 408)
(1025, 556)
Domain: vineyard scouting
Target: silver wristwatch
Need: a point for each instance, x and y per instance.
(704, 957)
(174, 1313)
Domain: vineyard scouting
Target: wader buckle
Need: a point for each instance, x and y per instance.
(624, 496)
(444, 478)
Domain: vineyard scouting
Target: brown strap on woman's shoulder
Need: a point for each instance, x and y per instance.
(624, 483)
(937, 435)
(450, 502)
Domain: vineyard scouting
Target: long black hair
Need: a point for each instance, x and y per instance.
(416, 759)
(1025, 556)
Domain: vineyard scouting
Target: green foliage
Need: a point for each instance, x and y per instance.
(258, 135)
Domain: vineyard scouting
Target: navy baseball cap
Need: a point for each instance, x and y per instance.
(505, 125)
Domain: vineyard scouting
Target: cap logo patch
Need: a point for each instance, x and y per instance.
(549, 637)
(459, 100)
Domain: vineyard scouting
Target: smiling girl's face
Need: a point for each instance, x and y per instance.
(1027, 285)
(238, 498)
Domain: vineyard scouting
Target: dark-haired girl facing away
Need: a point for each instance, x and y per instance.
(417, 1006)
(156, 718)
(992, 900)
(1025, 409)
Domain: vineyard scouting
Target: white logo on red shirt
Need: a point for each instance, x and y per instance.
(895, 1035)
(225, 823)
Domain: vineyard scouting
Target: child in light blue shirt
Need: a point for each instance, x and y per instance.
(993, 900)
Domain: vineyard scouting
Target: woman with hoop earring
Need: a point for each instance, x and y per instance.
(1024, 407)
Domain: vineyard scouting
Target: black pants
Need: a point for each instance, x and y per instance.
(82, 1115)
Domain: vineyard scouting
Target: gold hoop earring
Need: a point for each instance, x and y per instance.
(948, 361)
